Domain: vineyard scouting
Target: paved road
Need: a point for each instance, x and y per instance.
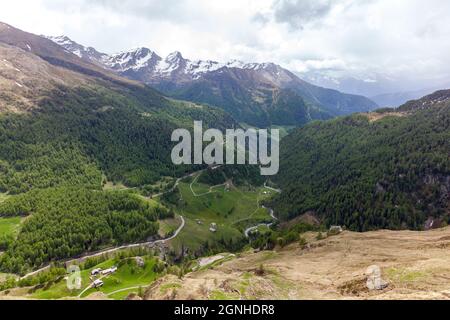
(108, 251)
(270, 188)
(137, 245)
(134, 245)
(183, 223)
(272, 214)
(153, 242)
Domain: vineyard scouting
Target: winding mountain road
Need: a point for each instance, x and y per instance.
(133, 245)
(272, 214)
(108, 251)
(175, 235)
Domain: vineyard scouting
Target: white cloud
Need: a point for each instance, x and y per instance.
(402, 39)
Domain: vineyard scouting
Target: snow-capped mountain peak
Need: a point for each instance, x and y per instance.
(62, 40)
(86, 53)
(145, 63)
(174, 57)
(135, 59)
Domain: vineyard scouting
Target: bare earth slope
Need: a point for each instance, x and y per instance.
(25, 78)
(416, 265)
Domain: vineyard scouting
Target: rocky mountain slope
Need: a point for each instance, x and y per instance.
(86, 53)
(24, 79)
(261, 94)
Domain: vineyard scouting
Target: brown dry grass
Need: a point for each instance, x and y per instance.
(25, 78)
(375, 116)
(416, 265)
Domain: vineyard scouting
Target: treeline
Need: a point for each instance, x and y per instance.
(281, 237)
(66, 222)
(392, 173)
(239, 174)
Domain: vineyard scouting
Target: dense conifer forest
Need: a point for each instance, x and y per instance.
(389, 169)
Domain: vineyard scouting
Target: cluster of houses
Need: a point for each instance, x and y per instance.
(99, 272)
(212, 227)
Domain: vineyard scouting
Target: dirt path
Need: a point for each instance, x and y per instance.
(197, 173)
(183, 223)
(89, 287)
(211, 189)
(144, 286)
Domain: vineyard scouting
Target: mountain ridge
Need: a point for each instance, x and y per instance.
(205, 81)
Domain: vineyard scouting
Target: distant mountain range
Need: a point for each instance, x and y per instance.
(383, 90)
(396, 99)
(260, 94)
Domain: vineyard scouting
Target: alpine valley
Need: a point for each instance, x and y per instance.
(86, 179)
(259, 94)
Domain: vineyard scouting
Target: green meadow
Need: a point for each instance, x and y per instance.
(128, 278)
(10, 226)
(231, 208)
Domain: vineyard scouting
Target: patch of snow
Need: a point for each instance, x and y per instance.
(18, 84)
(62, 40)
(196, 68)
(170, 64)
(78, 53)
(135, 59)
(140, 58)
(143, 61)
(9, 65)
(28, 47)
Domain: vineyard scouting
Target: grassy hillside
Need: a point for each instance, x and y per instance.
(388, 169)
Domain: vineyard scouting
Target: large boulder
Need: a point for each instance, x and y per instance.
(374, 279)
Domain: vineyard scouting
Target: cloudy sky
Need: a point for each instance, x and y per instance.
(398, 39)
